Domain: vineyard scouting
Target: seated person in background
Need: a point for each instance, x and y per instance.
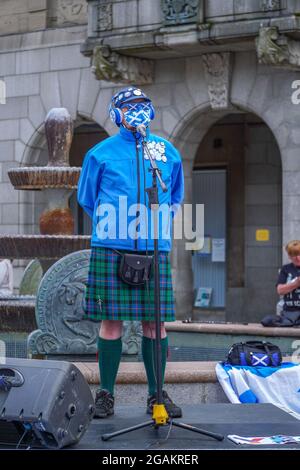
(6, 277)
(288, 286)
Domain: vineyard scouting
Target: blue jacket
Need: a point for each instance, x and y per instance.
(112, 185)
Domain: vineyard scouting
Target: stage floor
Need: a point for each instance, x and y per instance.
(244, 420)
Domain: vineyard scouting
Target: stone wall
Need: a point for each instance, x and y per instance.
(66, 12)
(19, 16)
(263, 211)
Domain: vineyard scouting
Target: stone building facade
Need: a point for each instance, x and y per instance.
(223, 77)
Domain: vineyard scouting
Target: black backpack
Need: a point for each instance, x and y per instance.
(254, 353)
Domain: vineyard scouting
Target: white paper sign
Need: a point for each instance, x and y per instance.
(218, 250)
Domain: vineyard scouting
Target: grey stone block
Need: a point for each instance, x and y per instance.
(170, 71)
(5, 167)
(50, 92)
(6, 150)
(25, 217)
(273, 114)
(8, 229)
(26, 130)
(67, 57)
(100, 111)
(36, 111)
(33, 61)
(9, 129)
(290, 183)
(22, 85)
(291, 159)
(88, 92)
(8, 194)
(7, 64)
(197, 87)
(160, 94)
(261, 94)
(295, 136)
(69, 94)
(149, 13)
(11, 43)
(291, 231)
(191, 393)
(14, 108)
(169, 120)
(19, 148)
(292, 204)
(219, 8)
(125, 14)
(282, 135)
(10, 214)
(243, 76)
(33, 40)
(182, 100)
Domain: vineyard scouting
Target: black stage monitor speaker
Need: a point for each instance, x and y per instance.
(43, 403)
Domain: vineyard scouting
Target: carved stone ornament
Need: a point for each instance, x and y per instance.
(60, 309)
(217, 68)
(60, 302)
(270, 5)
(114, 67)
(104, 17)
(277, 49)
(180, 11)
(67, 12)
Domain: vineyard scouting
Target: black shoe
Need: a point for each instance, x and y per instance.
(104, 404)
(173, 410)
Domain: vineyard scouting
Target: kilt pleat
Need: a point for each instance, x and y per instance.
(109, 298)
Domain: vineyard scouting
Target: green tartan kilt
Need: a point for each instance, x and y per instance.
(109, 298)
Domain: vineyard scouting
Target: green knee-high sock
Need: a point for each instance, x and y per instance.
(109, 356)
(148, 353)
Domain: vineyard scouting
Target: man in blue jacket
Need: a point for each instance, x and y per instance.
(111, 190)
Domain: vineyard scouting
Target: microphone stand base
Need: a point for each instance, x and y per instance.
(169, 422)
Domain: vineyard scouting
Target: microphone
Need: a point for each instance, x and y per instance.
(141, 128)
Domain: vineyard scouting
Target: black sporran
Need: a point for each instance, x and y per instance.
(135, 269)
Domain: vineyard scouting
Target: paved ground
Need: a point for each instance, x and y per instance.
(245, 420)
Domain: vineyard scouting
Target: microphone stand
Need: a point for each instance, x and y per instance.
(159, 415)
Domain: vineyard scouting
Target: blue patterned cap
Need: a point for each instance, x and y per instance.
(128, 94)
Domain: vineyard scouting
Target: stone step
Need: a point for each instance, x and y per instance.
(134, 372)
(186, 382)
(252, 329)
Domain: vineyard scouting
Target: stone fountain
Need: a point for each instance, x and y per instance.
(56, 238)
(59, 180)
(59, 304)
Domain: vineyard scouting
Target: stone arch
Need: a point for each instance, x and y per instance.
(187, 135)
